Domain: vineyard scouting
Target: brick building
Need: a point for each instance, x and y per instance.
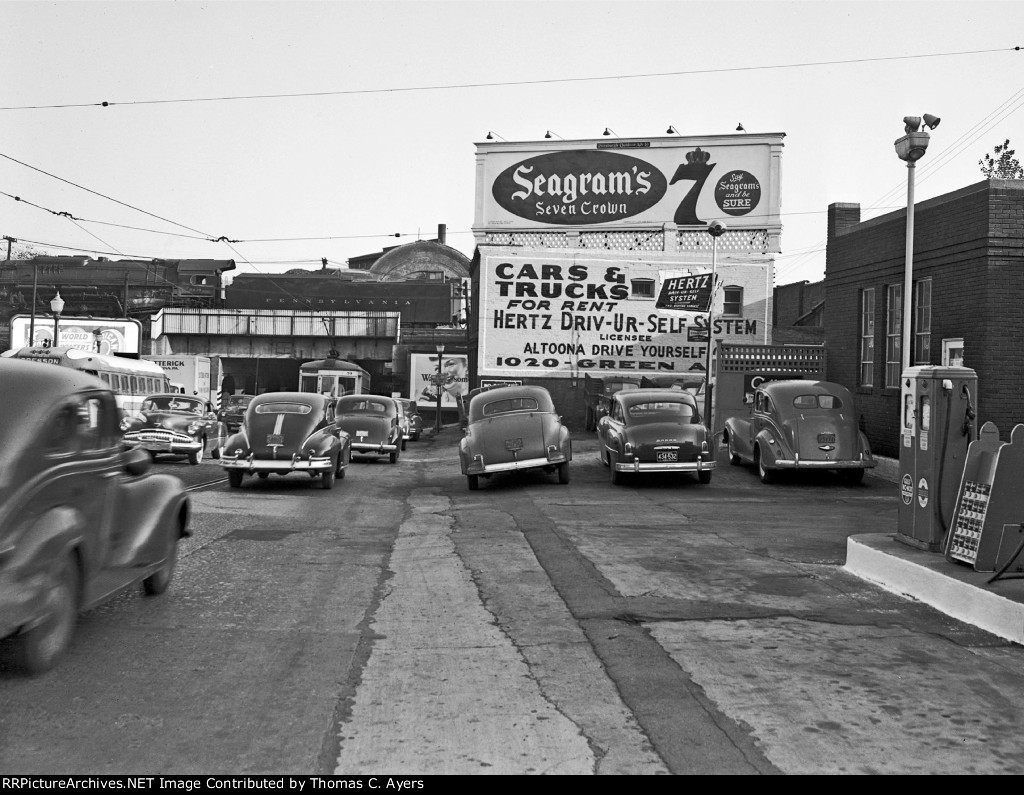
(968, 301)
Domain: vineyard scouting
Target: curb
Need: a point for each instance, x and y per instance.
(956, 590)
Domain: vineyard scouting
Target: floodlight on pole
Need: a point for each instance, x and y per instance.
(911, 148)
(716, 229)
(437, 417)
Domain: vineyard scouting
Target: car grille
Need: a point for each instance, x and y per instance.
(156, 436)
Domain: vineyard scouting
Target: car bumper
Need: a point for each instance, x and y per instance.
(278, 465)
(661, 466)
(803, 463)
(365, 447)
(164, 442)
(477, 467)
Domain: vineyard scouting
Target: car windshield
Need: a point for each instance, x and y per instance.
(283, 408)
(362, 407)
(170, 403)
(804, 402)
(509, 405)
(659, 411)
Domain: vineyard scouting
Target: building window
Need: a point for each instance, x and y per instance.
(867, 336)
(643, 288)
(893, 335)
(953, 352)
(732, 301)
(923, 322)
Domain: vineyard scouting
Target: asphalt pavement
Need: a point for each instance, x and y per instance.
(992, 603)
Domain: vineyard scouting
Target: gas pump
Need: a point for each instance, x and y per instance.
(937, 411)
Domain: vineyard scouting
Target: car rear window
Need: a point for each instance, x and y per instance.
(362, 407)
(510, 404)
(817, 402)
(662, 410)
(283, 408)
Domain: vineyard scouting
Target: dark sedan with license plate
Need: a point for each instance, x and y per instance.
(176, 424)
(232, 411)
(654, 430)
(511, 429)
(373, 423)
(800, 425)
(285, 433)
(82, 516)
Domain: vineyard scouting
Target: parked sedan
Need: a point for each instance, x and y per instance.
(654, 430)
(800, 425)
(285, 433)
(413, 418)
(232, 411)
(513, 428)
(176, 424)
(372, 422)
(82, 517)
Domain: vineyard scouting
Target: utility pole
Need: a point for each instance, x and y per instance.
(9, 241)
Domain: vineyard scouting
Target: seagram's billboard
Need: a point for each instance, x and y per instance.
(630, 183)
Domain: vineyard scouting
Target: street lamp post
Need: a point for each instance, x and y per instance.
(716, 229)
(437, 418)
(56, 306)
(97, 336)
(911, 148)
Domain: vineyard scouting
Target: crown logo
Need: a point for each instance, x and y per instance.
(698, 156)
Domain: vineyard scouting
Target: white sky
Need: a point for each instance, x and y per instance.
(377, 152)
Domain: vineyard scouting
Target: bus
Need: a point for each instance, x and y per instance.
(131, 380)
(333, 377)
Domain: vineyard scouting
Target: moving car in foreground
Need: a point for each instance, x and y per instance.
(286, 432)
(510, 429)
(372, 422)
(82, 517)
(654, 430)
(232, 412)
(799, 425)
(175, 424)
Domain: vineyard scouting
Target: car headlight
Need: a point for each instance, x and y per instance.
(126, 424)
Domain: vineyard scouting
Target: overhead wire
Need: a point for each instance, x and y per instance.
(508, 83)
(934, 164)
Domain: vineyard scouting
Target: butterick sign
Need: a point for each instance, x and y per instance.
(556, 316)
(634, 183)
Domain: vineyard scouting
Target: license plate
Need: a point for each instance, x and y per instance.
(362, 434)
(668, 455)
(826, 438)
(275, 438)
(513, 444)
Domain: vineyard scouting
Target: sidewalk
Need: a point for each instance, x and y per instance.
(955, 589)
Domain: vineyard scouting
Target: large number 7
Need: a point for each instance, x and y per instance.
(698, 169)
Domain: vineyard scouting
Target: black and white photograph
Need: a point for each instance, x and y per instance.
(400, 390)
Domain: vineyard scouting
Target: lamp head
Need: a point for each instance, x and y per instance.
(740, 128)
(57, 304)
(440, 348)
(672, 130)
(911, 124)
(490, 136)
(931, 122)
